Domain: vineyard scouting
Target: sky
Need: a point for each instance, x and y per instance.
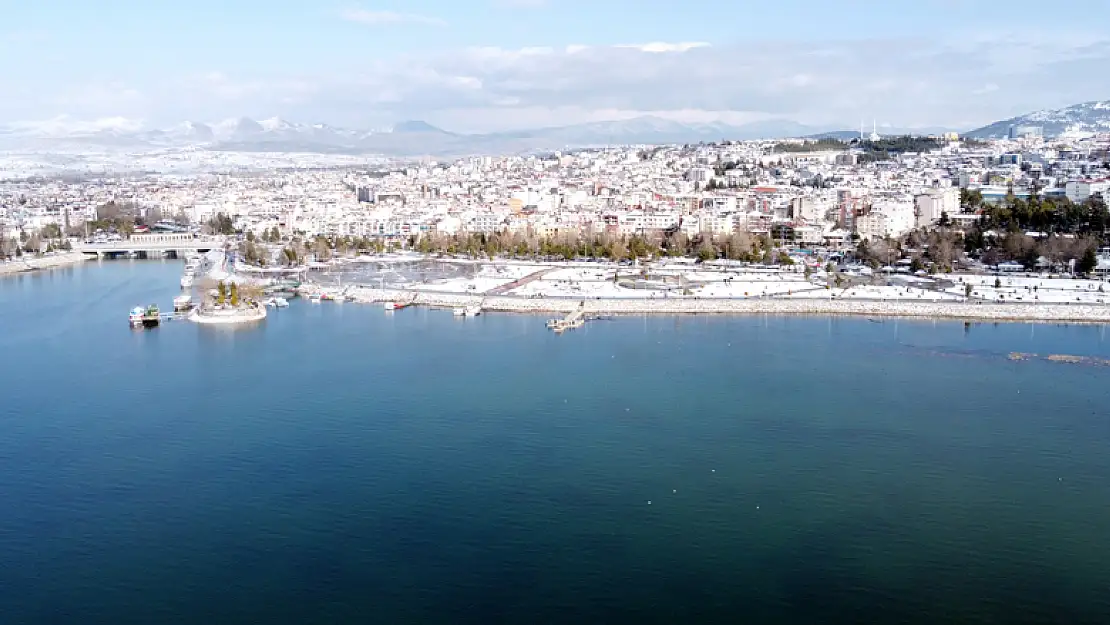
(486, 65)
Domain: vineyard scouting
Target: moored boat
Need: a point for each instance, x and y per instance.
(136, 317)
(182, 303)
(151, 316)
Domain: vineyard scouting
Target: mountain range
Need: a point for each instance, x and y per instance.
(419, 138)
(408, 138)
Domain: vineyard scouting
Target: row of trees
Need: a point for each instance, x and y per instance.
(1040, 214)
(945, 249)
(739, 246)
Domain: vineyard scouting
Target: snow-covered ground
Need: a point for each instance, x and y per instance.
(488, 277)
(1033, 289)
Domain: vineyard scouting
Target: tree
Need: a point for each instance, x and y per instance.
(706, 251)
(998, 283)
(967, 291)
(1087, 262)
(222, 224)
(221, 293)
(52, 231)
(234, 295)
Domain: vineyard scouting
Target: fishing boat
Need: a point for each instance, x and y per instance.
(136, 317)
(459, 312)
(314, 298)
(393, 305)
(473, 310)
(151, 316)
(182, 303)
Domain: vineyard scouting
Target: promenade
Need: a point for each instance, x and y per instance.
(25, 263)
(955, 310)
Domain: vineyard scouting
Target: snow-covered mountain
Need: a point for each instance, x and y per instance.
(1077, 118)
(408, 138)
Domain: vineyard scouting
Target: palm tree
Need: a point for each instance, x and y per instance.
(234, 295)
(221, 290)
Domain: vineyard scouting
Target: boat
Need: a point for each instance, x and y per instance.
(151, 316)
(136, 317)
(281, 302)
(314, 298)
(186, 281)
(393, 305)
(182, 303)
(473, 310)
(459, 312)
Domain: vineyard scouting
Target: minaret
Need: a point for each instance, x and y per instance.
(875, 130)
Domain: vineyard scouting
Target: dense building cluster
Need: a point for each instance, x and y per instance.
(801, 194)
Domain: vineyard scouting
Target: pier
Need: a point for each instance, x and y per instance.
(574, 319)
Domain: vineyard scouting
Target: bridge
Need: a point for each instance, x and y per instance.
(151, 244)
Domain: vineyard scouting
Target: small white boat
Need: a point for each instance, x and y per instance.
(459, 312)
(136, 317)
(281, 302)
(182, 303)
(186, 281)
(314, 298)
(473, 311)
(393, 305)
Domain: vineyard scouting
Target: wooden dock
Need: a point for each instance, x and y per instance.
(574, 319)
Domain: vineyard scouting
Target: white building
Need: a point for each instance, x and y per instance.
(931, 204)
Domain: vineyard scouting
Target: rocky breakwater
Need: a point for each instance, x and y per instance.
(925, 310)
(956, 310)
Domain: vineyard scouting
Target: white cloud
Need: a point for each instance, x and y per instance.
(660, 46)
(385, 18)
(521, 4)
(909, 83)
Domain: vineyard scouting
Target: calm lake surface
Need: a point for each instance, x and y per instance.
(341, 464)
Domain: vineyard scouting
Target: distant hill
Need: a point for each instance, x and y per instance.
(1077, 118)
(407, 138)
(417, 126)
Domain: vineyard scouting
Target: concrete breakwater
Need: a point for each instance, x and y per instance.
(25, 264)
(981, 312)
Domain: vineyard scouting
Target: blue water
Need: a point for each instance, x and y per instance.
(340, 464)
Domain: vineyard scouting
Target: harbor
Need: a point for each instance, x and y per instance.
(582, 291)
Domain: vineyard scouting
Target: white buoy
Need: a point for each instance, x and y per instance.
(675, 490)
(714, 470)
(649, 503)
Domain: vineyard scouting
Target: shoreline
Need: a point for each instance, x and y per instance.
(951, 311)
(44, 262)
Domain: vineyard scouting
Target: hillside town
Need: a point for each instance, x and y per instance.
(940, 202)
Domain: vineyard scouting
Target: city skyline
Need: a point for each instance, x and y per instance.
(510, 64)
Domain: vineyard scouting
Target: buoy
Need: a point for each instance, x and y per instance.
(649, 503)
(675, 490)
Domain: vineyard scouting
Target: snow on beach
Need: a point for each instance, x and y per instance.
(610, 289)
